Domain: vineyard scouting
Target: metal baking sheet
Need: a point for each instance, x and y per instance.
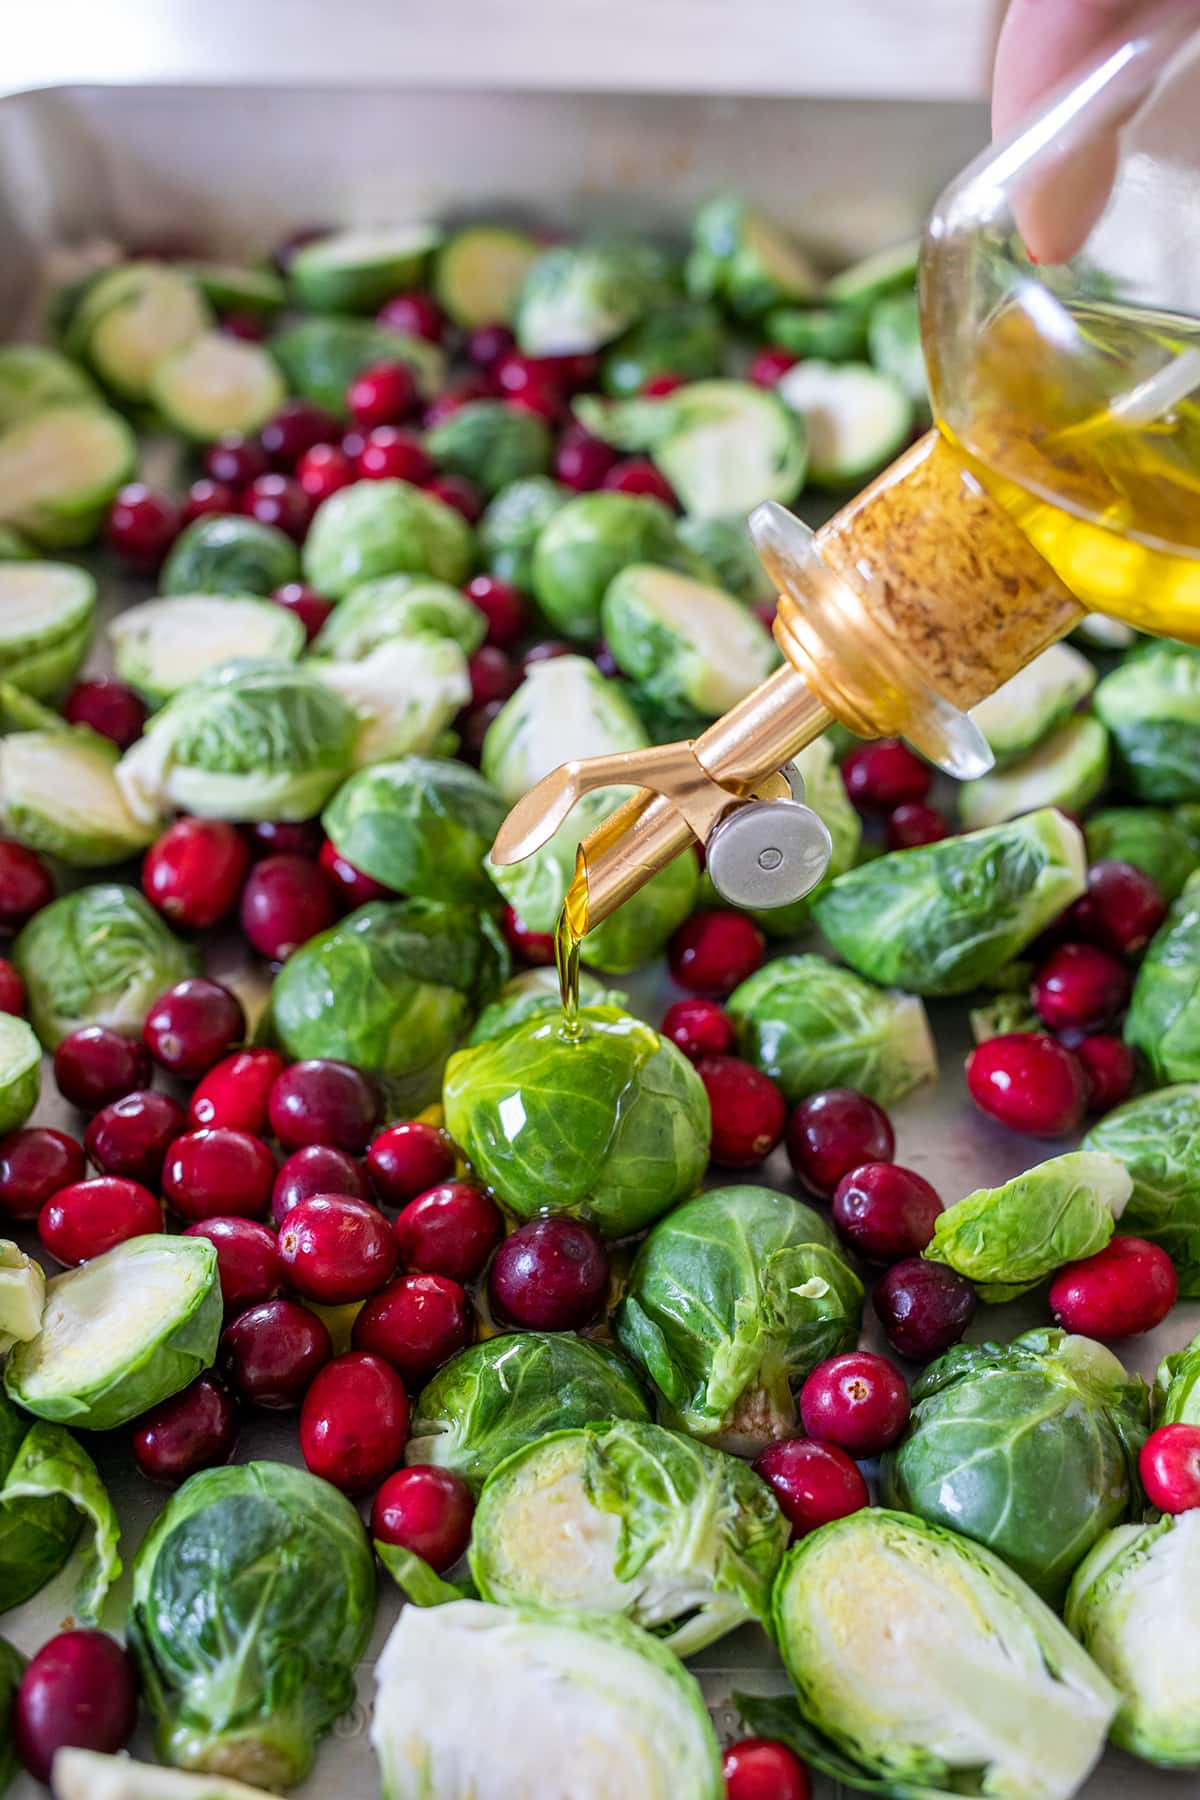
(236, 167)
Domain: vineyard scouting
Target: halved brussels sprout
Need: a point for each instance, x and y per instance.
(894, 343)
(1156, 1138)
(253, 1599)
(164, 645)
(732, 1300)
(59, 471)
(100, 955)
(882, 272)
(479, 273)
(357, 270)
(1132, 1606)
(1177, 1387)
(612, 1126)
(406, 693)
(34, 377)
(59, 794)
(511, 524)
(499, 1396)
(565, 708)
(618, 1717)
(217, 384)
(22, 1296)
(1163, 1021)
(740, 258)
(320, 357)
(1009, 1238)
(534, 993)
(1147, 837)
(591, 539)
(725, 546)
(1034, 702)
(225, 555)
(131, 318)
(684, 642)
(630, 1519)
(384, 528)
(811, 1025)
(1067, 769)
(120, 1333)
(825, 792)
(50, 1490)
(239, 287)
(683, 339)
(398, 606)
(20, 1071)
(87, 1775)
(942, 918)
(1030, 1448)
(855, 418)
(491, 443)
(46, 620)
(1151, 704)
(578, 297)
(421, 825)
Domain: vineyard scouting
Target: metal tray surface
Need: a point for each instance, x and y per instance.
(132, 164)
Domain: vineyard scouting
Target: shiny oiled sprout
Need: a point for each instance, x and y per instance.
(163, 645)
(564, 709)
(398, 606)
(578, 297)
(1163, 1021)
(1151, 705)
(534, 992)
(591, 539)
(1156, 1137)
(59, 795)
(1034, 702)
(227, 555)
(421, 825)
(1149, 838)
(684, 642)
(378, 528)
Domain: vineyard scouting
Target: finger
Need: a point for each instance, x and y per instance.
(1044, 41)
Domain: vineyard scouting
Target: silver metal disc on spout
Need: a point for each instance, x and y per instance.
(768, 853)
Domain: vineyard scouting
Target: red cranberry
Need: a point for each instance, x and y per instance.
(247, 1260)
(194, 872)
(311, 608)
(286, 837)
(408, 1159)
(195, 1429)
(142, 525)
(582, 461)
(747, 1108)
(235, 1091)
(96, 1065)
(769, 365)
(382, 395)
(1109, 1068)
(315, 1169)
(192, 1026)
(1121, 910)
(322, 471)
(488, 345)
(1169, 1465)
(80, 1690)
(296, 427)
(547, 651)
(208, 499)
(90, 1217)
(833, 1132)
(286, 901)
(278, 501)
(473, 728)
(12, 988)
(354, 1422)
(270, 1353)
(1079, 986)
(637, 475)
(1028, 1081)
(235, 460)
(416, 1323)
(244, 325)
(712, 952)
(813, 1483)
(451, 1230)
(764, 1769)
(351, 886)
(550, 1275)
(131, 1137)
(883, 775)
(26, 885)
(1128, 1287)
(502, 606)
(518, 375)
(324, 1102)
(209, 1173)
(456, 491)
(389, 454)
(913, 824)
(334, 1248)
(426, 1510)
(657, 387)
(34, 1164)
(857, 1401)
(544, 403)
(416, 313)
(534, 948)
(575, 370)
(492, 675)
(885, 1212)
(105, 705)
(698, 1028)
(923, 1307)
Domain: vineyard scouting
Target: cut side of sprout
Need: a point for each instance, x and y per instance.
(20, 1060)
(41, 604)
(217, 384)
(1067, 769)
(353, 271)
(59, 794)
(163, 646)
(480, 271)
(59, 470)
(132, 319)
(1034, 701)
(683, 640)
(857, 418)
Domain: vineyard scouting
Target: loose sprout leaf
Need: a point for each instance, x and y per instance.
(12, 1667)
(1177, 1387)
(1163, 1021)
(419, 1583)
(1156, 1138)
(50, 1466)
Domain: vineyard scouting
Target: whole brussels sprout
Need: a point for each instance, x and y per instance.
(253, 1599)
(50, 1490)
(321, 357)
(398, 606)
(591, 539)
(1151, 705)
(491, 443)
(741, 258)
(578, 297)
(825, 792)
(943, 918)
(1156, 1138)
(732, 1300)
(1030, 1448)
(512, 523)
(225, 555)
(685, 340)
(612, 1126)
(377, 528)
(100, 955)
(683, 642)
(534, 994)
(725, 546)
(563, 710)
(811, 1025)
(421, 825)
(1163, 1021)
(499, 1396)
(391, 988)
(1148, 838)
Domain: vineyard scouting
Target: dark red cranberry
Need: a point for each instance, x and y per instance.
(547, 651)
(315, 1169)
(334, 1248)
(1169, 1465)
(712, 952)
(857, 1401)
(142, 525)
(247, 326)
(885, 1212)
(235, 1092)
(456, 491)
(1121, 910)
(26, 885)
(305, 604)
(550, 1275)
(389, 454)
(534, 948)
(492, 674)
(519, 376)
(95, 1066)
(351, 886)
(296, 427)
(278, 501)
(923, 1307)
(34, 1164)
(90, 1217)
(12, 988)
(286, 837)
(830, 1133)
(384, 394)
(488, 345)
(657, 387)
(451, 1230)
(764, 1769)
(813, 1483)
(79, 1691)
(132, 1135)
(208, 1173)
(416, 1323)
(1080, 986)
(544, 403)
(638, 475)
(605, 661)
(235, 460)
(247, 1260)
(473, 728)
(417, 313)
(769, 364)
(194, 872)
(426, 1510)
(748, 1111)
(883, 775)
(698, 1028)
(286, 901)
(1028, 1081)
(322, 471)
(195, 1429)
(913, 824)
(408, 1159)
(270, 1353)
(192, 1026)
(1109, 1068)
(575, 369)
(502, 606)
(354, 1422)
(209, 499)
(106, 706)
(324, 1102)
(582, 461)
(1128, 1287)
